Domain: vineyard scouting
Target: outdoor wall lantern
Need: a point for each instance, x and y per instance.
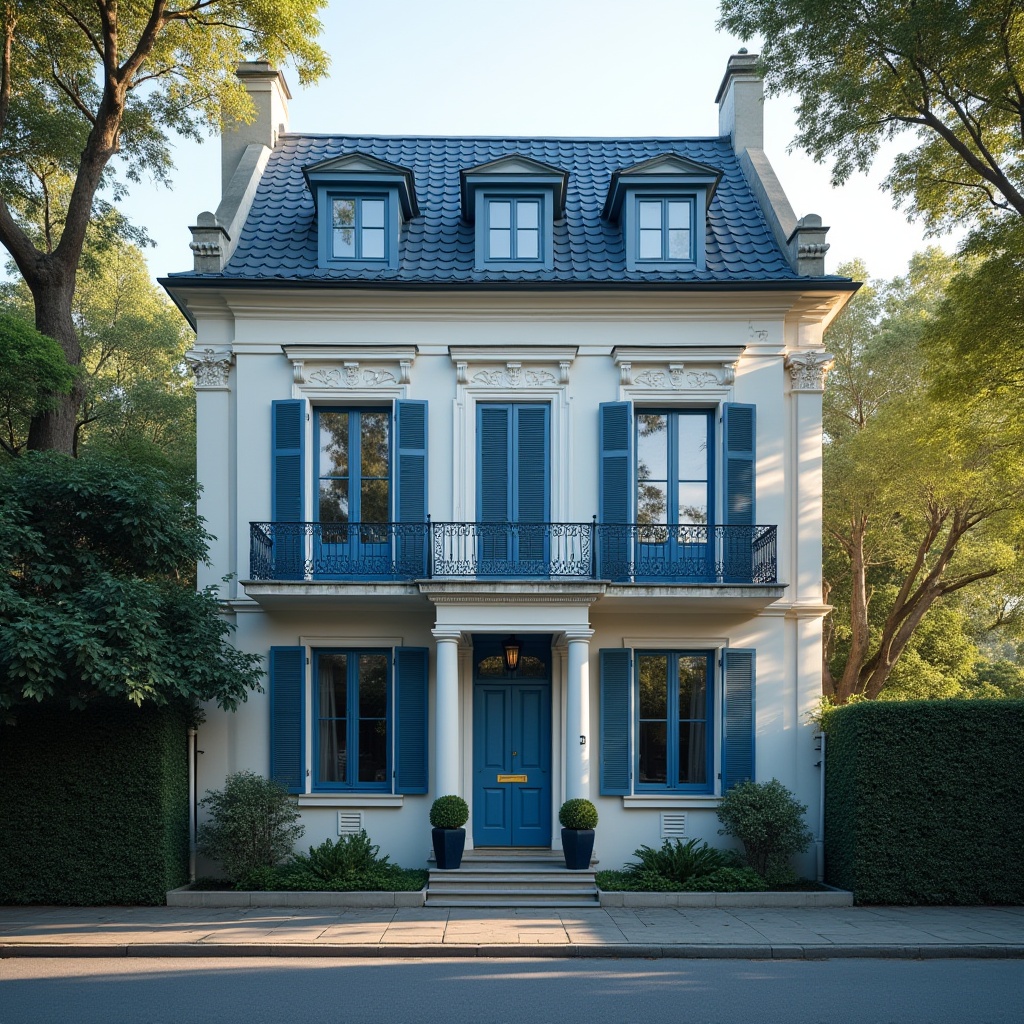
(511, 646)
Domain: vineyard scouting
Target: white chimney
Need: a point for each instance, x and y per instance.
(740, 102)
(269, 93)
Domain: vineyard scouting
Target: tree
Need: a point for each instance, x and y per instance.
(871, 71)
(32, 370)
(922, 499)
(82, 82)
(97, 561)
(137, 393)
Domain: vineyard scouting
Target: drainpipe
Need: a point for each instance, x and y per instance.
(819, 839)
(193, 808)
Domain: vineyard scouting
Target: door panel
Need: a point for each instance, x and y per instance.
(512, 736)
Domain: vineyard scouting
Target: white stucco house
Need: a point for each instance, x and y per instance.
(512, 451)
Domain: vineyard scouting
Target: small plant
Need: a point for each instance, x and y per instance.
(679, 861)
(253, 824)
(578, 814)
(449, 812)
(768, 820)
(345, 858)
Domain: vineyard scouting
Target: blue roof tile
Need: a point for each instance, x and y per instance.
(279, 238)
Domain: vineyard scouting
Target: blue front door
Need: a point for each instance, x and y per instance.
(512, 747)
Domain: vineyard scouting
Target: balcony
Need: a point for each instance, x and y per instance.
(620, 553)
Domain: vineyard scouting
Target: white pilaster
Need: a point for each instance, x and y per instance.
(212, 369)
(446, 713)
(577, 715)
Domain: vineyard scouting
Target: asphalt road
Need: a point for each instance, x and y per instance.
(324, 991)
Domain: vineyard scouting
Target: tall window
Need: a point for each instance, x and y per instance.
(352, 727)
(513, 229)
(666, 229)
(354, 452)
(358, 228)
(674, 704)
(673, 468)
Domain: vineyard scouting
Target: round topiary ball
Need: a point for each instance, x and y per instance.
(449, 812)
(578, 814)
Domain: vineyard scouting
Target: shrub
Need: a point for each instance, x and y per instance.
(253, 824)
(768, 820)
(93, 805)
(923, 801)
(726, 879)
(449, 812)
(345, 858)
(679, 861)
(578, 814)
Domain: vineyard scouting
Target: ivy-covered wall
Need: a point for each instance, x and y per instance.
(923, 801)
(93, 805)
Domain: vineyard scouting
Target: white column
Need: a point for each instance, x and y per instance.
(577, 716)
(446, 713)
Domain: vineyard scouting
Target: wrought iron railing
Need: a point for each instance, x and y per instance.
(622, 552)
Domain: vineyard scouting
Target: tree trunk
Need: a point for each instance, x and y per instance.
(55, 429)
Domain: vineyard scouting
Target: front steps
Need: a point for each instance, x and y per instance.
(512, 878)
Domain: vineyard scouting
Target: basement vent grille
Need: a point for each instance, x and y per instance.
(673, 826)
(349, 822)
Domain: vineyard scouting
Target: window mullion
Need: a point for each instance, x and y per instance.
(672, 725)
(355, 468)
(352, 723)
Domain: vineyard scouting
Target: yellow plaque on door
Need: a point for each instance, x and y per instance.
(512, 778)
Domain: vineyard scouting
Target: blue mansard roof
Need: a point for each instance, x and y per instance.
(279, 240)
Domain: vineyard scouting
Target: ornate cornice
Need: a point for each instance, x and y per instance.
(210, 366)
(808, 370)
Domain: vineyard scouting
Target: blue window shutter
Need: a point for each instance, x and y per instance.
(411, 774)
(288, 443)
(410, 484)
(738, 429)
(616, 683)
(288, 460)
(494, 435)
(411, 475)
(287, 717)
(531, 463)
(615, 499)
(738, 725)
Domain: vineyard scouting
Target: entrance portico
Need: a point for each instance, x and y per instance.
(471, 616)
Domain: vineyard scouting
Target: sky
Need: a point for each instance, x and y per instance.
(535, 68)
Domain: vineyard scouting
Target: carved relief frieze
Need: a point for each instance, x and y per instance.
(512, 375)
(808, 370)
(210, 366)
(351, 375)
(675, 377)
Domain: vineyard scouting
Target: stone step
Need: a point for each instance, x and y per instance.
(507, 884)
(512, 899)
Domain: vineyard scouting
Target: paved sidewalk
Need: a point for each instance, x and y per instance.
(806, 933)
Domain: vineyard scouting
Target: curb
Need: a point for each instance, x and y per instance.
(517, 951)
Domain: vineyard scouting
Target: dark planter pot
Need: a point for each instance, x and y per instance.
(577, 846)
(448, 846)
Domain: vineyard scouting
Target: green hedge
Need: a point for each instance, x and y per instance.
(93, 805)
(924, 801)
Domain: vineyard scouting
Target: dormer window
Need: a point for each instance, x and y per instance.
(514, 203)
(361, 203)
(665, 227)
(360, 223)
(662, 205)
(513, 229)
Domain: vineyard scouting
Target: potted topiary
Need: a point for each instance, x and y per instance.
(448, 814)
(578, 818)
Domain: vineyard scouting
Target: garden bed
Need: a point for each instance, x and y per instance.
(826, 897)
(188, 897)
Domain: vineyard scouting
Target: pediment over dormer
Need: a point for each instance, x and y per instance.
(669, 172)
(360, 170)
(513, 171)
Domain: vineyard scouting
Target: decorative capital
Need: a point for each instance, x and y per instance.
(210, 366)
(808, 370)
